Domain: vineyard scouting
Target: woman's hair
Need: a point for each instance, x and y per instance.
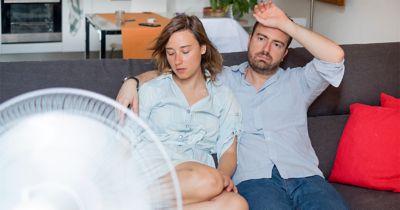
(211, 60)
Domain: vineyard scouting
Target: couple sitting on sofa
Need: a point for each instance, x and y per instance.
(194, 113)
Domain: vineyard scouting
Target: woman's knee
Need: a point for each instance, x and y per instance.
(209, 179)
(239, 203)
(204, 179)
(232, 201)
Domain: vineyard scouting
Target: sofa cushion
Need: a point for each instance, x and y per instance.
(365, 199)
(325, 132)
(364, 64)
(390, 101)
(369, 150)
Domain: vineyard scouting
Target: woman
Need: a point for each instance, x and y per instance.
(193, 115)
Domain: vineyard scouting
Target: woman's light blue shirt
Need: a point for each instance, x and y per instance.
(190, 132)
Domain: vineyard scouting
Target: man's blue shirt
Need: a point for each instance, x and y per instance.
(274, 123)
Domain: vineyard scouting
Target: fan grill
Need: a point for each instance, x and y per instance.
(144, 152)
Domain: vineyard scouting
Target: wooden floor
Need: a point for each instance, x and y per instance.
(54, 56)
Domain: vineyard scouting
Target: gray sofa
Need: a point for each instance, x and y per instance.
(370, 69)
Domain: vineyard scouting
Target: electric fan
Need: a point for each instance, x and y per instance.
(70, 149)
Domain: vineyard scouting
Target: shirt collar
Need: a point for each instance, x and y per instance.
(242, 69)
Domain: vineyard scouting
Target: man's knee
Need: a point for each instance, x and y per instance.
(319, 194)
(262, 194)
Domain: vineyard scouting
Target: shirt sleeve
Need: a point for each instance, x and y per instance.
(230, 122)
(318, 75)
(147, 98)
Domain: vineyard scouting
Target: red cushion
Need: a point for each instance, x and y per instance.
(369, 150)
(390, 101)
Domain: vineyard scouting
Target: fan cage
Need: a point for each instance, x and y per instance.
(121, 120)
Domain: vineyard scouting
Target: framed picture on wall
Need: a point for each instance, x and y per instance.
(337, 2)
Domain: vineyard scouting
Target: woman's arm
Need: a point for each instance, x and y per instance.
(227, 162)
(128, 95)
(227, 166)
(229, 129)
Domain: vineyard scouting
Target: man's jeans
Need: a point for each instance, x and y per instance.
(277, 193)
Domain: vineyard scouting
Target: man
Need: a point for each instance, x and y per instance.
(277, 166)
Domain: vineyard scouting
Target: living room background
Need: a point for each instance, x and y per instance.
(360, 21)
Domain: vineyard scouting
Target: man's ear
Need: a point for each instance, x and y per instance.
(284, 54)
(203, 49)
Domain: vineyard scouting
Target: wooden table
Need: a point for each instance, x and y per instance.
(136, 39)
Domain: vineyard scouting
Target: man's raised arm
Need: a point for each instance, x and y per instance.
(128, 94)
(320, 47)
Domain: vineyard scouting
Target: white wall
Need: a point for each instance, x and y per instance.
(188, 6)
(295, 8)
(360, 21)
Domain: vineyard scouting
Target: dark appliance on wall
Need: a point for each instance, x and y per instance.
(31, 21)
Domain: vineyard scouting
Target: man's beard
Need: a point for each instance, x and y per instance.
(263, 67)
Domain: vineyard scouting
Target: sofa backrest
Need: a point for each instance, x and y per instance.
(370, 69)
(101, 76)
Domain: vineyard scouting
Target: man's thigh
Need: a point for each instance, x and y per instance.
(316, 193)
(264, 194)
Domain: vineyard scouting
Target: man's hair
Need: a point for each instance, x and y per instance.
(211, 60)
(257, 24)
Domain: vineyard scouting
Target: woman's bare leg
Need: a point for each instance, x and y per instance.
(198, 182)
(224, 201)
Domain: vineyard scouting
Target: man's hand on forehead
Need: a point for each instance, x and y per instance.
(268, 14)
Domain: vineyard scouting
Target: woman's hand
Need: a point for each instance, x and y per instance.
(229, 186)
(128, 95)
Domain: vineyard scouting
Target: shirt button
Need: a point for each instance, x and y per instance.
(180, 136)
